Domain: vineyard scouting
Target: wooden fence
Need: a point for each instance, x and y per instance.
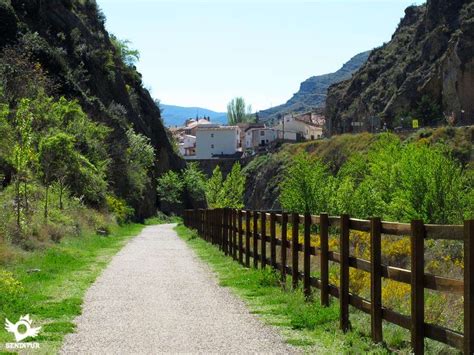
(225, 228)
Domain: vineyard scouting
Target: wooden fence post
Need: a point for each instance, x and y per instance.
(231, 232)
(324, 261)
(294, 249)
(307, 256)
(376, 279)
(225, 231)
(417, 286)
(255, 239)
(468, 287)
(234, 234)
(273, 240)
(283, 250)
(263, 235)
(344, 277)
(241, 256)
(247, 238)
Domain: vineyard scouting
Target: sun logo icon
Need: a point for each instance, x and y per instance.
(14, 328)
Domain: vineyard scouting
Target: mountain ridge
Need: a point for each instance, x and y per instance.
(312, 92)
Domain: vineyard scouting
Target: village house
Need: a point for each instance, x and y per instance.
(256, 137)
(308, 126)
(187, 146)
(217, 141)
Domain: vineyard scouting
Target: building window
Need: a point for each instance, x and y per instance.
(212, 146)
(212, 135)
(262, 133)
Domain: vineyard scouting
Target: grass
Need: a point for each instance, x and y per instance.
(50, 284)
(307, 325)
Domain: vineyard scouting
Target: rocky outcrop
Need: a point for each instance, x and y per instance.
(69, 40)
(426, 72)
(313, 91)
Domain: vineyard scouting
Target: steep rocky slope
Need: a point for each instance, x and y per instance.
(68, 40)
(426, 71)
(313, 91)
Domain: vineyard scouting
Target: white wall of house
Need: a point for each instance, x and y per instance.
(294, 126)
(256, 137)
(216, 141)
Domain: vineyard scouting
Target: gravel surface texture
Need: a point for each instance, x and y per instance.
(156, 296)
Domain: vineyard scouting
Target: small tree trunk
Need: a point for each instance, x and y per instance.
(46, 204)
(18, 200)
(61, 187)
(25, 185)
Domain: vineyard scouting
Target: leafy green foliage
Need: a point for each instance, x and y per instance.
(238, 112)
(140, 158)
(122, 212)
(233, 188)
(170, 187)
(306, 186)
(214, 188)
(393, 180)
(195, 182)
(129, 56)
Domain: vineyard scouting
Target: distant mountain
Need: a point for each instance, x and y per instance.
(176, 115)
(313, 91)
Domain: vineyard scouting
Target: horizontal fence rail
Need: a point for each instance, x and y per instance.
(243, 235)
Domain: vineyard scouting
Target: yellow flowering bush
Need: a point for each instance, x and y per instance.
(10, 288)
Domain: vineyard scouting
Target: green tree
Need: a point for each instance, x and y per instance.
(428, 111)
(170, 187)
(57, 158)
(23, 153)
(238, 112)
(140, 158)
(214, 188)
(195, 181)
(305, 187)
(129, 56)
(233, 188)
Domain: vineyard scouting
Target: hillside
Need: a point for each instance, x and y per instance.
(424, 72)
(176, 115)
(313, 91)
(63, 49)
(265, 172)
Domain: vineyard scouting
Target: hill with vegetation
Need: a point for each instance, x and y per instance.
(347, 160)
(81, 139)
(313, 91)
(426, 71)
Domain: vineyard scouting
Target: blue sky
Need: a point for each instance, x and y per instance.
(204, 53)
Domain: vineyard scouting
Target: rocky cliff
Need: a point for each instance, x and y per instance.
(313, 91)
(426, 71)
(68, 40)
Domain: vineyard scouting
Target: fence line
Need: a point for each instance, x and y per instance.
(224, 228)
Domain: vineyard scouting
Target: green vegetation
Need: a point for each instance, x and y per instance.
(238, 111)
(395, 181)
(49, 284)
(216, 192)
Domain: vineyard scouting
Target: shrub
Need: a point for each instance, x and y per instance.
(122, 212)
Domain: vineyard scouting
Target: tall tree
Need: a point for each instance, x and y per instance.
(238, 112)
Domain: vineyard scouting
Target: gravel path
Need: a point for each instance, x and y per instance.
(157, 297)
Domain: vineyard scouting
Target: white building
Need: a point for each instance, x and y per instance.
(294, 126)
(259, 137)
(212, 142)
(187, 146)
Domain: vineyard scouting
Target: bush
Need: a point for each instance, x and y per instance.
(122, 212)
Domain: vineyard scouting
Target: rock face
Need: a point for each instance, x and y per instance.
(313, 91)
(428, 62)
(69, 40)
